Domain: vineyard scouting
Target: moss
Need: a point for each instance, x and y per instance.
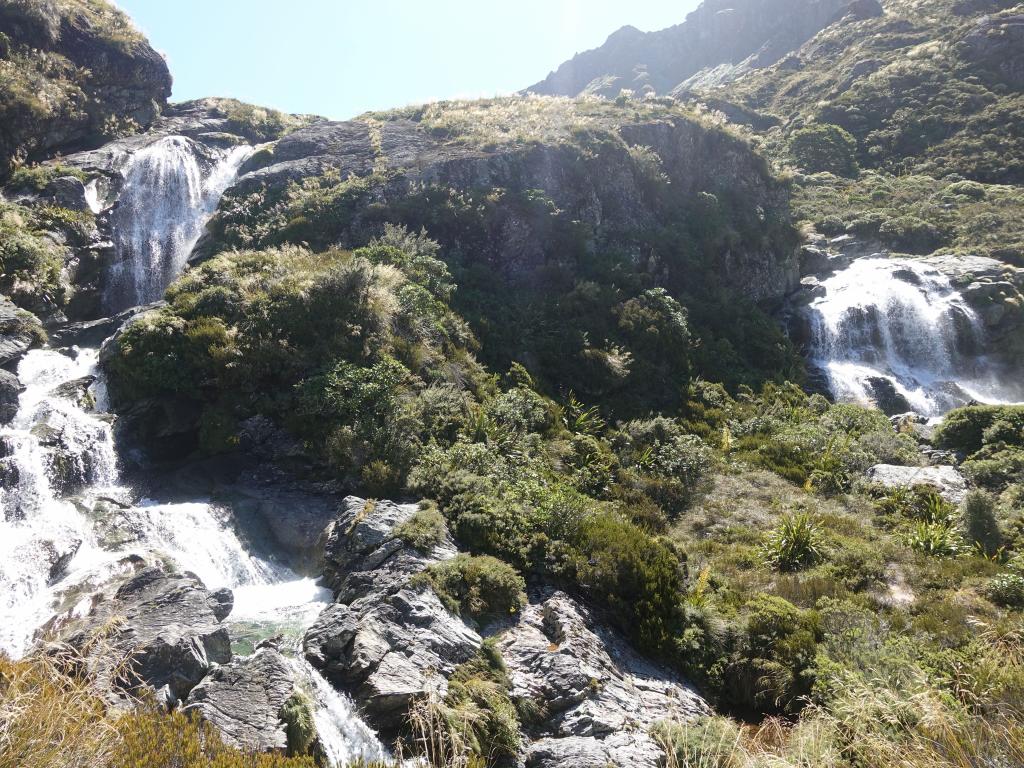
(300, 729)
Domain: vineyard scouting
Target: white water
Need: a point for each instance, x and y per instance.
(171, 189)
(68, 527)
(900, 322)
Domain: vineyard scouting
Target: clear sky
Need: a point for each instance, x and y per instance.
(340, 58)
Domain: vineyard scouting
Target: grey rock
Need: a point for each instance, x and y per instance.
(10, 391)
(67, 192)
(385, 641)
(619, 750)
(244, 700)
(601, 697)
(947, 480)
(995, 44)
(159, 629)
(20, 331)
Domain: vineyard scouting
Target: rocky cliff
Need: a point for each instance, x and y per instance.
(717, 43)
(73, 74)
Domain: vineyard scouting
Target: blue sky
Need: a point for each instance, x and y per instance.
(339, 58)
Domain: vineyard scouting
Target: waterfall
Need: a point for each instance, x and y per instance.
(171, 189)
(68, 526)
(898, 334)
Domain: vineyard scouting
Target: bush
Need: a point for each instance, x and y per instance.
(1007, 590)
(911, 234)
(424, 530)
(480, 587)
(980, 526)
(795, 544)
(774, 666)
(963, 429)
(938, 538)
(824, 148)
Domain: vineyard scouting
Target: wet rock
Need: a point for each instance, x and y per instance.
(385, 641)
(77, 391)
(886, 397)
(157, 629)
(67, 192)
(244, 700)
(10, 391)
(947, 480)
(601, 698)
(20, 331)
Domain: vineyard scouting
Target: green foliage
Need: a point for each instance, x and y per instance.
(794, 544)
(38, 177)
(297, 714)
(774, 666)
(824, 148)
(479, 587)
(711, 742)
(1007, 590)
(258, 124)
(964, 429)
(424, 530)
(980, 525)
(937, 538)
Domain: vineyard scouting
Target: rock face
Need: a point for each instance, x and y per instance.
(947, 480)
(602, 193)
(10, 390)
(995, 44)
(385, 641)
(161, 631)
(600, 697)
(245, 699)
(20, 331)
(717, 43)
(99, 76)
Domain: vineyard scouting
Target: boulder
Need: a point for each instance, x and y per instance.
(245, 700)
(386, 641)
(946, 479)
(995, 44)
(600, 696)
(157, 629)
(10, 391)
(20, 331)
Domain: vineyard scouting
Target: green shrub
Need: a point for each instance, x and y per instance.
(980, 526)
(774, 666)
(938, 538)
(424, 530)
(911, 234)
(1007, 590)
(824, 148)
(480, 587)
(964, 429)
(795, 544)
(297, 714)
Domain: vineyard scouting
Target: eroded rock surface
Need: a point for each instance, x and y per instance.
(245, 699)
(385, 641)
(947, 480)
(159, 630)
(600, 696)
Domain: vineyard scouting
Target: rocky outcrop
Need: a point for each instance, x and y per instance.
(245, 700)
(947, 480)
(98, 77)
(10, 391)
(158, 631)
(995, 44)
(716, 44)
(20, 331)
(599, 696)
(384, 640)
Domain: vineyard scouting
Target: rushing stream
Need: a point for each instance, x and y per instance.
(68, 526)
(898, 330)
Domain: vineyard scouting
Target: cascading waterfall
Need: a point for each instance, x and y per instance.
(68, 527)
(897, 330)
(171, 189)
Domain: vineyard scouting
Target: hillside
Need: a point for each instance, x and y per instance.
(666, 416)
